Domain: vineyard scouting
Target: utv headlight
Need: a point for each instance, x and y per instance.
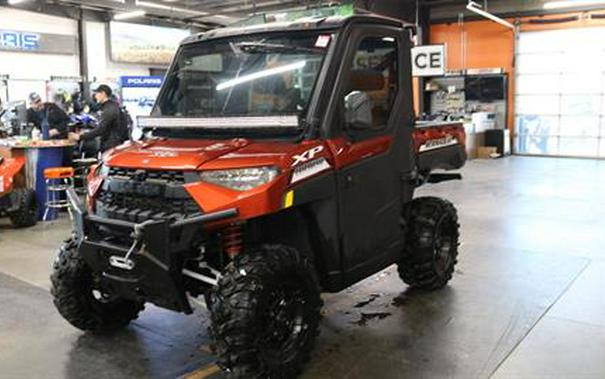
(241, 179)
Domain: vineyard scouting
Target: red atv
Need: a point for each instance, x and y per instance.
(16, 201)
(279, 162)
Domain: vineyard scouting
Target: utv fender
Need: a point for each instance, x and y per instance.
(309, 223)
(446, 158)
(298, 227)
(9, 170)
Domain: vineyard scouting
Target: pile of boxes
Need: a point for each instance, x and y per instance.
(485, 138)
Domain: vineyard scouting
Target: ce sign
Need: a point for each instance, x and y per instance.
(428, 60)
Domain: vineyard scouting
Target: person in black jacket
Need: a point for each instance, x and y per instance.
(110, 127)
(51, 120)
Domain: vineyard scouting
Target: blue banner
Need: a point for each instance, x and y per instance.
(141, 81)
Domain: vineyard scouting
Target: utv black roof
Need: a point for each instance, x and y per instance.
(307, 23)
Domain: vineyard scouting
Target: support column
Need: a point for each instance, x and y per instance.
(424, 38)
(83, 54)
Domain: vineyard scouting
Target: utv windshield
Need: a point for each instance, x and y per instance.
(256, 75)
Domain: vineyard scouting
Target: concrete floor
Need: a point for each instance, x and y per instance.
(526, 301)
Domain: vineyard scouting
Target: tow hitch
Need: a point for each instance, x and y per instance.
(125, 263)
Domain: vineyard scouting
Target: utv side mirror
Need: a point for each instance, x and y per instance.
(358, 110)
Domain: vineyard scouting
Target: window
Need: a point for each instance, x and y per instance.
(374, 72)
(257, 75)
(560, 93)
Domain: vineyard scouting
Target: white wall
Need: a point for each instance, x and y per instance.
(29, 71)
(15, 19)
(19, 65)
(100, 66)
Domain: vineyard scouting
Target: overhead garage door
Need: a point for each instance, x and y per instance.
(560, 93)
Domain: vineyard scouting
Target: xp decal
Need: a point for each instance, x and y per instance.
(307, 155)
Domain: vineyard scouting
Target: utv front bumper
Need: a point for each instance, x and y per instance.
(141, 261)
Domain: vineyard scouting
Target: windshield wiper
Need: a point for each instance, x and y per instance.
(260, 47)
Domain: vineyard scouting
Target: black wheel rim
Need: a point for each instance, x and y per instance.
(443, 245)
(100, 297)
(286, 324)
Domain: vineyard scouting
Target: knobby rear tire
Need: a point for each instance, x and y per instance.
(27, 212)
(431, 246)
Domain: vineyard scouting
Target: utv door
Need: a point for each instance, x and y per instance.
(376, 158)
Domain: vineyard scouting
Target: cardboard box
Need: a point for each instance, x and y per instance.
(487, 152)
(473, 142)
(500, 139)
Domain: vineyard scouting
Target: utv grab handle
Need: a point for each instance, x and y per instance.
(208, 217)
(138, 228)
(74, 200)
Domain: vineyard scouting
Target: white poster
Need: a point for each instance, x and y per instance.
(428, 60)
(134, 43)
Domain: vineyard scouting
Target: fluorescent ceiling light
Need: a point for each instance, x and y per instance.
(261, 74)
(13, 2)
(129, 15)
(474, 7)
(572, 3)
(149, 4)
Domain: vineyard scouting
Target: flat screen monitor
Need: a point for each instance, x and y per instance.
(485, 88)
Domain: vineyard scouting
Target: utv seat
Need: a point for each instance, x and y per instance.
(373, 83)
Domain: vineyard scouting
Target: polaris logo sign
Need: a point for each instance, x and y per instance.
(141, 81)
(428, 60)
(19, 41)
(29, 42)
(144, 81)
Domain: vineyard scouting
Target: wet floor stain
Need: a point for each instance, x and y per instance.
(399, 301)
(365, 317)
(372, 298)
(208, 349)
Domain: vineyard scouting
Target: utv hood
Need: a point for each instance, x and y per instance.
(194, 154)
(171, 154)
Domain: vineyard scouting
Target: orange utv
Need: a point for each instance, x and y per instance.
(280, 161)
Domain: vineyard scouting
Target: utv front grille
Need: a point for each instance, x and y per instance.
(140, 195)
(135, 208)
(173, 177)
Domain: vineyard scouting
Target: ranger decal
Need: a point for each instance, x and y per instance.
(438, 143)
